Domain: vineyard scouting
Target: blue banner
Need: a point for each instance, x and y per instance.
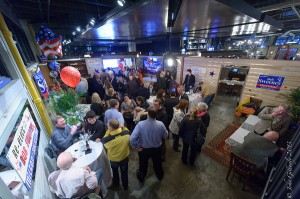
(41, 82)
(270, 82)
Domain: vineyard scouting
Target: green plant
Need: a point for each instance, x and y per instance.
(64, 103)
(293, 98)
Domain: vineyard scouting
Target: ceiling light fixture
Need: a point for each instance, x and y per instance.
(92, 22)
(74, 33)
(78, 28)
(121, 2)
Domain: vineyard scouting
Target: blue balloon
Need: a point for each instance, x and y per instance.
(53, 65)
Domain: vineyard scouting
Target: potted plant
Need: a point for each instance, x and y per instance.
(293, 98)
(64, 103)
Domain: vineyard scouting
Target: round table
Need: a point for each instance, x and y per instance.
(95, 160)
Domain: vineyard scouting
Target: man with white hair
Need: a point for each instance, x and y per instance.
(182, 94)
(71, 181)
(257, 149)
(275, 119)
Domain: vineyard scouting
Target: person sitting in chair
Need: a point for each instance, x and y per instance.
(257, 149)
(275, 119)
(71, 181)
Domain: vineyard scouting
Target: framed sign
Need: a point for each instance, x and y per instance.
(270, 82)
(22, 151)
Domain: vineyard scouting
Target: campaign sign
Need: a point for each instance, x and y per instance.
(270, 82)
(22, 151)
(41, 82)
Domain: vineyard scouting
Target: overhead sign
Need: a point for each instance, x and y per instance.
(270, 82)
(22, 152)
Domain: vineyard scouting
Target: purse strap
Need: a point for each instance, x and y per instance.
(112, 137)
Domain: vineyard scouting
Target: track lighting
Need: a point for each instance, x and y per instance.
(121, 2)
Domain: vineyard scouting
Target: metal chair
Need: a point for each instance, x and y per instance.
(244, 168)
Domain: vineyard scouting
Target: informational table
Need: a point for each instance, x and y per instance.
(232, 82)
(97, 159)
(250, 123)
(149, 79)
(194, 99)
(237, 138)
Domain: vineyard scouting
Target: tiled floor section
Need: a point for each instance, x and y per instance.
(205, 180)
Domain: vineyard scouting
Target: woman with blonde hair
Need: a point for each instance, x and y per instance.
(97, 106)
(107, 85)
(179, 113)
(189, 127)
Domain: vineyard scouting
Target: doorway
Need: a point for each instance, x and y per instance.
(231, 82)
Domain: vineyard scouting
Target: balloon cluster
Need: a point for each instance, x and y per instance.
(55, 69)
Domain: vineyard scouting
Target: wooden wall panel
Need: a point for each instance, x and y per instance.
(289, 69)
(207, 65)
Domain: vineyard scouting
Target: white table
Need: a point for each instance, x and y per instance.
(250, 123)
(95, 160)
(149, 79)
(232, 82)
(9, 176)
(194, 99)
(237, 138)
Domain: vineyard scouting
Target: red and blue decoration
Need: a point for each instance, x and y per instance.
(41, 82)
(212, 73)
(48, 41)
(70, 76)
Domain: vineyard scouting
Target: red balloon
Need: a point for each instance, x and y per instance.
(70, 76)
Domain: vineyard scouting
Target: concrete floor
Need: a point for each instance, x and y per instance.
(205, 180)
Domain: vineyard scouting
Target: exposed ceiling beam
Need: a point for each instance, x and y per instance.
(96, 3)
(296, 11)
(49, 11)
(280, 6)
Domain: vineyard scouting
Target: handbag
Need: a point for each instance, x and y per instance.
(199, 139)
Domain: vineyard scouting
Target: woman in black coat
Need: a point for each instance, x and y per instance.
(187, 131)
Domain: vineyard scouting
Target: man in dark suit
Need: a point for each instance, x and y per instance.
(169, 104)
(163, 117)
(182, 94)
(257, 149)
(144, 91)
(114, 82)
(189, 80)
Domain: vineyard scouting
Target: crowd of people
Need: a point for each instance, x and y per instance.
(124, 120)
(121, 117)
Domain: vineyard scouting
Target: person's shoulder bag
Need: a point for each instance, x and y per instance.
(199, 139)
(112, 137)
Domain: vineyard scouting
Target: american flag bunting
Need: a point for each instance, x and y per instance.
(48, 41)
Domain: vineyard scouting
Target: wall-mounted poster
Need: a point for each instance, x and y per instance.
(22, 152)
(270, 82)
(198, 71)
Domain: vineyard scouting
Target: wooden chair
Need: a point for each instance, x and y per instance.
(244, 168)
(236, 90)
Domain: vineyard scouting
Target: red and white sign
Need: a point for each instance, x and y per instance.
(22, 151)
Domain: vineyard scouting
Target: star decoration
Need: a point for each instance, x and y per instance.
(212, 73)
(97, 71)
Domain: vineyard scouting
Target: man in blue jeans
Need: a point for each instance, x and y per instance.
(116, 141)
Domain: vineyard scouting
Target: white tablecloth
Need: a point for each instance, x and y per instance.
(9, 176)
(250, 123)
(95, 160)
(237, 138)
(149, 79)
(194, 99)
(232, 82)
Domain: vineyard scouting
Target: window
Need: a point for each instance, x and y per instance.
(21, 42)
